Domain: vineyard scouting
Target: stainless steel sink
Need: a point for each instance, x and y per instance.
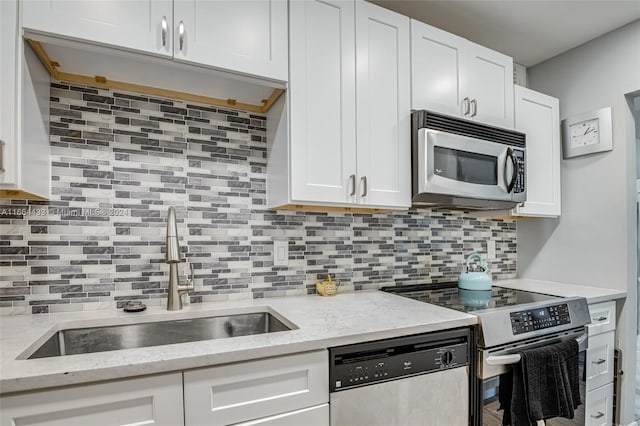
(140, 335)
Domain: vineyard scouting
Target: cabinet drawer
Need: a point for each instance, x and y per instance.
(599, 406)
(154, 400)
(240, 392)
(313, 416)
(599, 360)
(603, 318)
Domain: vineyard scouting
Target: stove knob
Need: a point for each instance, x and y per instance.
(446, 358)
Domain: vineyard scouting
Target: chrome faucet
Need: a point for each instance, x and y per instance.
(172, 257)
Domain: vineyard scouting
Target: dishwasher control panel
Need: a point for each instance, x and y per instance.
(369, 363)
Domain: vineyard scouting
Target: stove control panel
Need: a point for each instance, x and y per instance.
(539, 318)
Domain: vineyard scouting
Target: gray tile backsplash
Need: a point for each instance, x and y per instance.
(120, 159)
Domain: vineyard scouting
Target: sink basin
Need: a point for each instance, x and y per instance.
(140, 335)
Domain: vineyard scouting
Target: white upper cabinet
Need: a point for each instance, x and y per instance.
(537, 115)
(25, 169)
(454, 76)
(137, 25)
(436, 58)
(322, 101)
(383, 106)
(244, 36)
(339, 157)
(488, 77)
(8, 44)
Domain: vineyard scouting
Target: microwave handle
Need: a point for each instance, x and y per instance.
(514, 162)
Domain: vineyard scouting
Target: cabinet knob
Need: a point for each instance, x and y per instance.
(474, 107)
(164, 31)
(363, 179)
(465, 106)
(2, 169)
(181, 34)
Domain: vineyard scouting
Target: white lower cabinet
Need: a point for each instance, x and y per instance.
(313, 416)
(289, 390)
(599, 406)
(599, 361)
(153, 400)
(599, 364)
(241, 392)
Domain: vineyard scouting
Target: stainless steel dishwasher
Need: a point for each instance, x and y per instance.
(406, 381)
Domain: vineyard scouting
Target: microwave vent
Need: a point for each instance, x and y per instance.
(459, 126)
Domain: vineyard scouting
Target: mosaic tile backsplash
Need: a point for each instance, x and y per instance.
(120, 159)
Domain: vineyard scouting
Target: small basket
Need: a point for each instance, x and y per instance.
(327, 287)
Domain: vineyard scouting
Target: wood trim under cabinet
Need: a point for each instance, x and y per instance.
(104, 82)
(333, 209)
(20, 195)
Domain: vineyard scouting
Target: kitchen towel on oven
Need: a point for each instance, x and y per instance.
(544, 385)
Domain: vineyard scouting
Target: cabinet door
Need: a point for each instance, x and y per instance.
(599, 360)
(488, 81)
(135, 25)
(229, 394)
(599, 406)
(8, 58)
(603, 317)
(436, 57)
(243, 36)
(537, 115)
(153, 400)
(383, 107)
(313, 416)
(322, 101)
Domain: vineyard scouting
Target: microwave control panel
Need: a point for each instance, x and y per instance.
(520, 179)
(539, 318)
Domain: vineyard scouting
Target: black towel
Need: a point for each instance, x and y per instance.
(544, 385)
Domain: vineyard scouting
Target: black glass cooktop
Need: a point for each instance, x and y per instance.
(448, 295)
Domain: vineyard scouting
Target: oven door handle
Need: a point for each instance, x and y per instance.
(503, 359)
(515, 358)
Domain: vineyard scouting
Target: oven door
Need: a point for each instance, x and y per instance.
(494, 362)
(451, 164)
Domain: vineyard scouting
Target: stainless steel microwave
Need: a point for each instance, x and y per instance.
(466, 164)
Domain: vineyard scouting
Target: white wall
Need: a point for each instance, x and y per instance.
(594, 241)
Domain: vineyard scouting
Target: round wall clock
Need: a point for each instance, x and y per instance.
(587, 133)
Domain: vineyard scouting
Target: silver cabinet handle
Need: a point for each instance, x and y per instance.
(164, 31)
(352, 179)
(363, 179)
(465, 106)
(474, 107)
(181, 34)
(2, 169)
(600, 319)
(598, 361)
(597, 416)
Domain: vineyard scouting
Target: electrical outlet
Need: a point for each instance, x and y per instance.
(280, 253)
(491, 249)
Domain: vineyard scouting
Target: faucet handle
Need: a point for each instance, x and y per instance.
(191, 281)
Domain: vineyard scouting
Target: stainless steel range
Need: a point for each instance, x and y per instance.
(509, 322)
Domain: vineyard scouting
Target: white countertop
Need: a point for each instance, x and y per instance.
(593, 294)
(322, 322)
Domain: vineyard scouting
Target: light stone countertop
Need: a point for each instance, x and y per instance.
(593, 294)
(322, 322)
